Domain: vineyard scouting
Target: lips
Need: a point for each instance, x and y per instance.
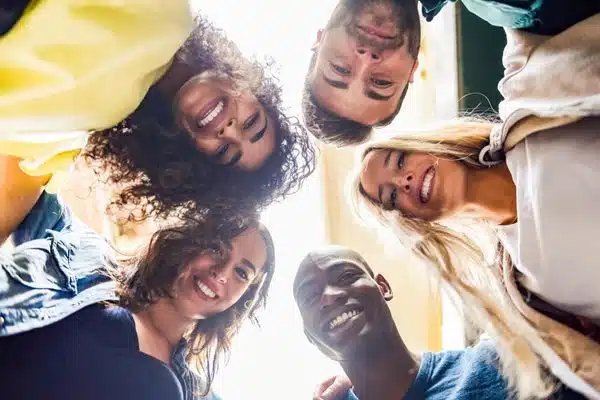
(340, 317)
(212, 114)
(205, 288)
(426, 187)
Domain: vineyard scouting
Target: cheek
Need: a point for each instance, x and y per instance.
(207, 146)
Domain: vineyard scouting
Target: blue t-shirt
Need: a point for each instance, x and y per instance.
(92, 354)
(469, 374)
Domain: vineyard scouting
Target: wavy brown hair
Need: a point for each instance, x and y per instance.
(156, 164)
(143, 280)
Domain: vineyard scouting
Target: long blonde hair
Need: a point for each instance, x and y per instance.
(466, 256)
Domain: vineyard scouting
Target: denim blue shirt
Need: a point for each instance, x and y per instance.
(469, 374)
(56, 269)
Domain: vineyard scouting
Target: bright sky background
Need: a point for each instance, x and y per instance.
(276, 361)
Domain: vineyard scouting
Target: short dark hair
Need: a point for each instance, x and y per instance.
(335, 129)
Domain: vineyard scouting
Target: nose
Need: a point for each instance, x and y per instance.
(331, 295)
(219, 273)
(404, 180)
(231, 130)
(367, 54)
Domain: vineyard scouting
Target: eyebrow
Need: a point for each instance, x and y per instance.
(249, 265)
(376, 96)
(259, 135)
(335, 84)
(369, 93)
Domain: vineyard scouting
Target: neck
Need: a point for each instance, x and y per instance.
(391, 369)
(491, 195)
(160, 329)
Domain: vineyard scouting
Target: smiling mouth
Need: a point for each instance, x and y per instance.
(204, 289)
(209, 115)
(343, 318)
(427, 185)
(381, 34)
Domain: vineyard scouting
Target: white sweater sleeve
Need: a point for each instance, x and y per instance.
(556, 241)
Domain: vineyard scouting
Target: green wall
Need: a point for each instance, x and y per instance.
(480, 68)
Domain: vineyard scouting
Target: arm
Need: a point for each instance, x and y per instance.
(18, 194)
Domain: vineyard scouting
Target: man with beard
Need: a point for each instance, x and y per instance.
(365, 58)
(344, 310)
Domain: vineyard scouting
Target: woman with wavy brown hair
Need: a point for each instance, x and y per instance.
(76, 323)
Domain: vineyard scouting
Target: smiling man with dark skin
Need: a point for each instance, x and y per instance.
(344, 310)
(365, 58)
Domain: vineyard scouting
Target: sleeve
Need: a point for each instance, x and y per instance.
(466, 374)
(49, 213)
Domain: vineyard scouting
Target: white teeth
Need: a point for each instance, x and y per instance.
(211, 115)
(206, 290)
(340, 319)
(426, 188)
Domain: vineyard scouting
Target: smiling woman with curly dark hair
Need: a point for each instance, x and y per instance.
(211, 131)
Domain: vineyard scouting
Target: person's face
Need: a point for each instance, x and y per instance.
(209, 286)
(363, 65)
(234, 128)
(419, 185)
(342, 307)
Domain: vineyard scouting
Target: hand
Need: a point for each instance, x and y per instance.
(333, 388)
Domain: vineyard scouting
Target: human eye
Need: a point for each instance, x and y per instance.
(242, 274)
(339, 69)
(400, 159)
(251, 121)
(393, 197)
(381, 83)
(349, 277)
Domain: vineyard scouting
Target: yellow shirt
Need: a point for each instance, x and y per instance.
(71, 66)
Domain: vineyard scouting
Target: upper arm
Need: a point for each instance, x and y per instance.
(48, 213)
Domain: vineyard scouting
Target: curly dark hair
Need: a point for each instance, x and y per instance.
(156, 164)
(143, 280)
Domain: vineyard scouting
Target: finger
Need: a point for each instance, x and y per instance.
(318, 394)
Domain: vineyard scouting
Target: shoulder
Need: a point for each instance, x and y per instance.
(463, 374)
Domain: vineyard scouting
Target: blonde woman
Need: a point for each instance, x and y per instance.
(533, 184)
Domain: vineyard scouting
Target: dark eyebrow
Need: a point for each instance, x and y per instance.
(376, 96)
(335, 84)
(249, 265)
(259, 135)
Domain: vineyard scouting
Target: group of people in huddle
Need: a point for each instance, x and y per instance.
(189, 132)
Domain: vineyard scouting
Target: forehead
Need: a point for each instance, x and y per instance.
(317, 265)
(251, 246)
(372, 171)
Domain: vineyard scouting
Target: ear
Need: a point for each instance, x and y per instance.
(317, 42)
(411, 78)
(384, 287)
